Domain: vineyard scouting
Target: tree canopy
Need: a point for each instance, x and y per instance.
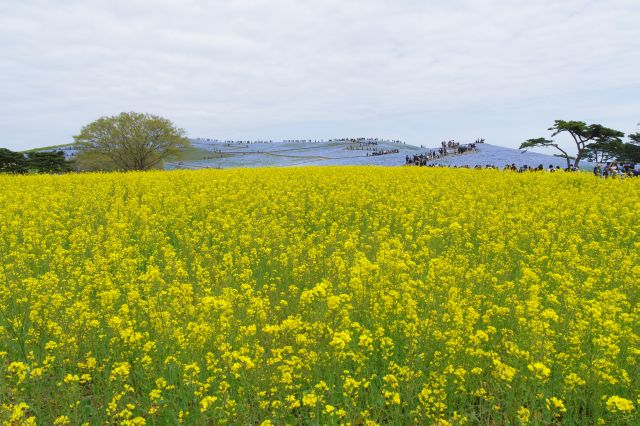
(48, 162)
(630, 151)
(128, 141)
(12, 162)
(591, 141)
(543, 143)
(616, 150)
(36, 162)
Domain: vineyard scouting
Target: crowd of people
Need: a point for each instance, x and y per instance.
(359, 140)
(230, 142)
(511, 167)
(613, 169)
(539, 168)
(365, 145)
(368, 141)
(383, 152)
(447, 148)
(608, 170)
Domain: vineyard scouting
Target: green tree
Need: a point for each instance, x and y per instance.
(602, 152)
(544, 143)
(630, 151)
(128, 141)
(48, 162)
(589, 139)
(12, 162)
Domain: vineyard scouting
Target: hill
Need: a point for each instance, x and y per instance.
(215, 154)
(205, 153)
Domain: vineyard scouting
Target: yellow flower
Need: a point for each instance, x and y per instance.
(18, 370)
(340, 340)
(120, 371)
(206, 402)
(345, 295)
(503, 371)
(523, 415)
(616, 404)
(573, 380)
(292, 402)
(71, 378)
(555, 405)
(540, 370)
(310, 400)
(36, 372)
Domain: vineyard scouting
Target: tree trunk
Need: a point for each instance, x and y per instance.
(578, 158)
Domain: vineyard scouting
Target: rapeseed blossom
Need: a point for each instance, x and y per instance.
(540, 370)
(617, 404)
(319, 295)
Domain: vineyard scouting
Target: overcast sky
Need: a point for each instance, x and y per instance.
(418, 70)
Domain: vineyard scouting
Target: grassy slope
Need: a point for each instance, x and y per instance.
(44, 148)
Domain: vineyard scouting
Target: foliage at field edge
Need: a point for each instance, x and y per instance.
(319, 295)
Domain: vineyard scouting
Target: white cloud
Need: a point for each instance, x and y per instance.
(236, 67)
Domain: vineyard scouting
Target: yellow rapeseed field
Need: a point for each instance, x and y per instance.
(320, 295)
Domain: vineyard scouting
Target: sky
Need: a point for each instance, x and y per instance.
(417, 70)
